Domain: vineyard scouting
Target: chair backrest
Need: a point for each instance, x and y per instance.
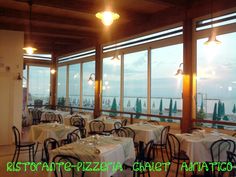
(77, 121)
(119, 132)
(83, 132)
(49, 144)
(16, 135)
(164, 135)
(145, 154)
(124, 122)
(73, 136)
(219, 149)
(129, 132)
(173, 146)
(50, 117)
(96, 126)
(231, 157)
(59, 118)
(39, 113)
(154, 122)
(117, 125)
(67, 159)
(35, 114)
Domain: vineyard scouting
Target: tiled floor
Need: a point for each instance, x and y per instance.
(6, 154)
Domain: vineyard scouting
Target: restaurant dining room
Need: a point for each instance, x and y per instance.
(118, 88)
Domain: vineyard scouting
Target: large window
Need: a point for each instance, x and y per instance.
(88, 90)
(39, 85)
(135, 82)
(216, 81)
(74, 84)
(166, 88)
(61, 86)
(111, 84)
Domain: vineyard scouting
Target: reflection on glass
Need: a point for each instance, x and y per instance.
(166, 88)
(39, 85)
(88, 90)
(111, 84)
(135, 82)
(216, 83)
(61, 86)
(74, 84)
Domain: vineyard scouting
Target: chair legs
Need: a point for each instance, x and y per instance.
(17, 154)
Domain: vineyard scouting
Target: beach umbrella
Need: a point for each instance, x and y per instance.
(113, 108)
(234, 109)
(170, 111)
(137, 108)
(175, 107)
(214, 117)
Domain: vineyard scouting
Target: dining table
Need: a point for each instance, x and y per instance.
(146, 132)
(197, 144)
(99, 149)
(40, 132)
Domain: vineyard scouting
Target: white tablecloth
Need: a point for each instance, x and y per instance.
(146, 132)
(112, 149)
(40, 132)
(197, 145)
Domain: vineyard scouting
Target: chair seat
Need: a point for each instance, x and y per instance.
(181, 155)
(25, 144)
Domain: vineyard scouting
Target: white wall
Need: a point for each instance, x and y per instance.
(11, 56)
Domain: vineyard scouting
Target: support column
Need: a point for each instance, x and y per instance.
(53, 81)
(98, 81)
(188, 68)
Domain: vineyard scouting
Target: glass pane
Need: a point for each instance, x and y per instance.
(216, 81)
(135, 82)
(61, 86)
(24, 85)
(39, 85)
(88, 90)
(74, 84)
(111, 85)
(166, 88)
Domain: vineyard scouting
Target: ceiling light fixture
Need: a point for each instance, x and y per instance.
(212, 41)
(29, 49)
(91, 79)
(107, 17)
(180, 71)
(53, 71)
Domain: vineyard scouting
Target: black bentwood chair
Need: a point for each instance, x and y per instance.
(231, 157)
(219, 150)
(22, 146)
(96, 127)
(60, 170)
(176, 154)
(145, 155)
(49, 144)
(77, 121)
(73, 136)
(162, 144)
